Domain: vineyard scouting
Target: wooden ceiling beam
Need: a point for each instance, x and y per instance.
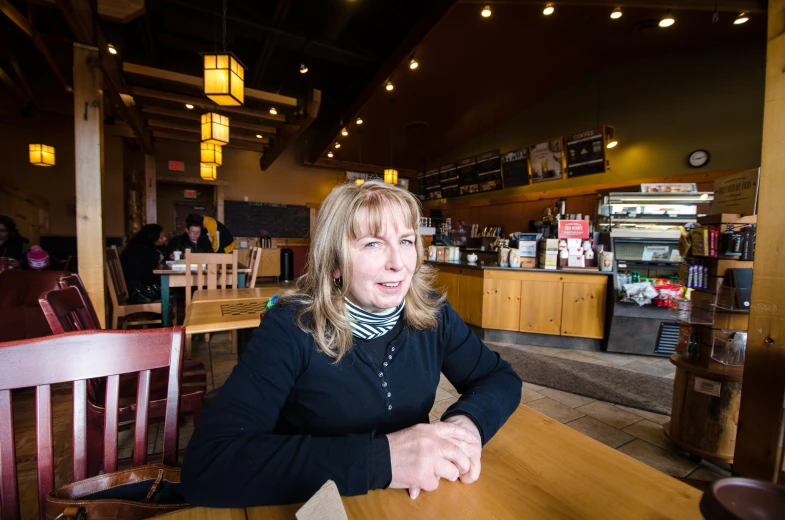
(171, 125)
(435, 11)
(23, 81)
(268, 131)
(290, 132)
(198, 82)
(190, 138)
(735, 6)
(24, 24)
(13, 87)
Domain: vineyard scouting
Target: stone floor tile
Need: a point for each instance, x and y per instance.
(530, 395)
(705, 474)
(555, 410)
(600, 431)
(651, 433)
(571, 400)
(653, 417)
(432, 417)
(609, 414)
(616, 359)
(441, 393)
(439, 407)
(532, 386)
(658, 458)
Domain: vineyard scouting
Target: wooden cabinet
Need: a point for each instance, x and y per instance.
(583, 310)
(501, 304)
(541, 307)
(464, 290)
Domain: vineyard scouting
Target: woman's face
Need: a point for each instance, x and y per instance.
(382, 266)
(161, 239)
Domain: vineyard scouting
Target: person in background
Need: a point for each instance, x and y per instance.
(338, 380)
(192, 239)
(219, 235)
(138, 260)
(12, 244)
(463, 226)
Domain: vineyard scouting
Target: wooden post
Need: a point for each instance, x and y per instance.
(761, 414)
(220, 192)
(150, 187)
(89, 153)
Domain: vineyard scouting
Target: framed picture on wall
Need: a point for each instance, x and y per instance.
(547, 160)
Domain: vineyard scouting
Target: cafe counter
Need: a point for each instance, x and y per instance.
(561, 308)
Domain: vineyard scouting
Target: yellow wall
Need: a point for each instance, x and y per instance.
(662, 107)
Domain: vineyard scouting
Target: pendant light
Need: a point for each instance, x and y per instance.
(486, 11)
(224, 74)
(610, 137)
(616, 14)
(211, 154)
(215, 128)
(742, 18)
(549, 9)
(208, 172)
(667, 20)
(390, 174)
(42, 155)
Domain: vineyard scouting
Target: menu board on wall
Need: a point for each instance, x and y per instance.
(448, 177)
(467, 176)
(586, 153)
(433, 188)
(547, 160)
(515, 167)
(489, 171)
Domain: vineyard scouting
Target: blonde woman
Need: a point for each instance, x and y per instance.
(337, 381)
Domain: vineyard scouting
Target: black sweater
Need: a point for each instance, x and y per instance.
(289, 418)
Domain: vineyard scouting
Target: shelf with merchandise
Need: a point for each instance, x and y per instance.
(692, 311)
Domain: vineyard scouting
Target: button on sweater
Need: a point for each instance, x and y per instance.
(289, 417)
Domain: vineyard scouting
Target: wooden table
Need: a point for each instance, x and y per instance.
(171, 278)
(218, 315)
(257, 293)
(534, 468)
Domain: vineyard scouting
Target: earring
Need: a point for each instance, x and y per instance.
(337, 282)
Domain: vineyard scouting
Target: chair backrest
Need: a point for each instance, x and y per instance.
(74, 281)
(115, 279)
(214, 276)
(254, 259)
(76, 357)
(66, 311)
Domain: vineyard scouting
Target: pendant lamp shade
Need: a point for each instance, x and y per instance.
(391, 176)
(212, 155)
(42, 155)
(215, 129)
(208, 172)
(224, 79)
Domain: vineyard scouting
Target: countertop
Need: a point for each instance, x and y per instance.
(495, 267)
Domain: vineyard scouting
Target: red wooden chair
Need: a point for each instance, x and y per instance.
(78, 357)
(66, 310)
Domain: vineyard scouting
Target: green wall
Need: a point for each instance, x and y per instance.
(662, 107)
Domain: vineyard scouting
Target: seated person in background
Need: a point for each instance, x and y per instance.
(192, 238)
(138, 260)
(338, 380)
(12, 244)
(220, 236)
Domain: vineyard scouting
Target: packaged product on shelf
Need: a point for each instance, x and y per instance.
(515, 258)
(688, 345)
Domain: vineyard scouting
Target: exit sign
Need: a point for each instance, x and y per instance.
(177, 166)
(190, 194)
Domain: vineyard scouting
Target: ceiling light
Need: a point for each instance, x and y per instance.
(742, 18)
(211, 154)
(610, 137)
(359, 120)
(42, 155)
(344, 132)
(111, 49)
(259, 136)
(549, 9)
(303, 68)
(389, 86)
(359, 182)
(330, 154)
(207, 172)
(273, 111)
(413, 64)
(337, 145)
(611, 144)
(189, 106)
(616, 14)
(486, 11)
(391, 176)
(215, 128)
(224, 79)
(667, 20)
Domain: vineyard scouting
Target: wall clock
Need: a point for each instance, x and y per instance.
(699, 158)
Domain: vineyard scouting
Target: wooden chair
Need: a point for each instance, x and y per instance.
(68, 310)
(76, 357)
(118, 292)
(254, 259)
(214, 276)
(74, 280)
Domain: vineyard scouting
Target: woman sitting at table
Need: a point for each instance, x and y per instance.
(138, 260)
(338, 380)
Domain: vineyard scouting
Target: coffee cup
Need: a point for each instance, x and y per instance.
(177, 255)
(472, 258)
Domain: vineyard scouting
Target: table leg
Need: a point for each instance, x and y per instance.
(165, 301)
(241, 280)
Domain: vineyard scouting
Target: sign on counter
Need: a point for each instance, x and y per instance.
(737, 193)
(586, 153)
(515, 168)
(573, 229)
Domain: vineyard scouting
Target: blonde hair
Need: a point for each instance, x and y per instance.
(340, 221)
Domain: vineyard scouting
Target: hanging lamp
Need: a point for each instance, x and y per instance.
(211, 154)
(208, 172)
(215, 128)
(391, 176)
(224, 74)
(42, 155)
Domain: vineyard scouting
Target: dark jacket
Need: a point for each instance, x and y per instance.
(14, 247)
(289, 418)
(138, 261)
(182, 242)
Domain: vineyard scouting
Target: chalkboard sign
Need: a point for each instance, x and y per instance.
(254, 219)
(433, 187)
(586, 153)
(448, 177)
(515, 166)
(489, 171)
(467, 176)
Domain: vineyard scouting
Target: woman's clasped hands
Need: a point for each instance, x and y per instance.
(426, 453)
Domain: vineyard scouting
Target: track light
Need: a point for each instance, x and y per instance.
(337, 145)
(667, 20)
(111, 49)
(742, 18)
(259, 136)
(303, 68)
(413, 64)
(616, 14)
(611, 144)
(610, 137)
(486, 11)
(189, 106)
(549, 9)
(344, 132)
(389, 87)
(273, 111)
(359, 120)
(330, 155)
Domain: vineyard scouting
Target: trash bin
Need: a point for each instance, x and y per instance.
(287, 264)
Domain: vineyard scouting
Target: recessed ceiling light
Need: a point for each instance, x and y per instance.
(742, 18)
(413, 64)
(486, 11)
(329, 154)
(111, 49)
(616, 14)
(303, 68)
(259, 136)
(273, 111)
(667, 20)
(389, 87)
(337, 145)
(359, 120)
(344, 132)
(189, 106)
(549, 9)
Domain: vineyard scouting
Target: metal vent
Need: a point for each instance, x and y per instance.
(667, 338)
